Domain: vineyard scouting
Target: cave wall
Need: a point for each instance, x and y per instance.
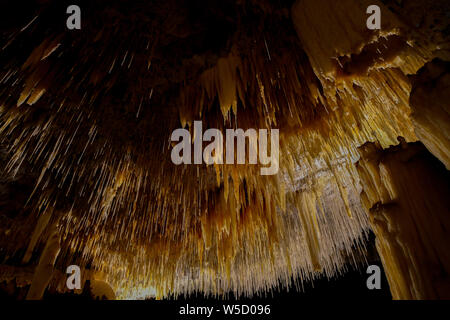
(405, 192)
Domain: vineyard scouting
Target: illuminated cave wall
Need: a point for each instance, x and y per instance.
(86, 118)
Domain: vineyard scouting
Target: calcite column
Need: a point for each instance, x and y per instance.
(42, 223)
(406, 194)
(430, 104)
(45, 268)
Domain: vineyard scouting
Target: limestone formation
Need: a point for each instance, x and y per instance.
(405, 191)
(430, 104)
(86, 118)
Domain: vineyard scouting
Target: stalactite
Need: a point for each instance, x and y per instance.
(338, 54)
(90, 115)
(42, 223)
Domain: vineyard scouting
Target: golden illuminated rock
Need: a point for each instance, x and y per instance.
(430, 104)
(405, 192)
(44, 270)
(86, 119)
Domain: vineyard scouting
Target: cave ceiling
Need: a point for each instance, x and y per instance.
(86, 118)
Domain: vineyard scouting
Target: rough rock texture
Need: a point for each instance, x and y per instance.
(430, 105)
(405, 191)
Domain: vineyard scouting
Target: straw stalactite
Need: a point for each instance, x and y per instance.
(86, 119)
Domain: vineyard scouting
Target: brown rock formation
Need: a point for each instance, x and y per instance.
(405, 191)
(430, 105)
(86, 118)
(45, 268)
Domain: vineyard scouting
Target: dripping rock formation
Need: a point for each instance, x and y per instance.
(86, 176)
